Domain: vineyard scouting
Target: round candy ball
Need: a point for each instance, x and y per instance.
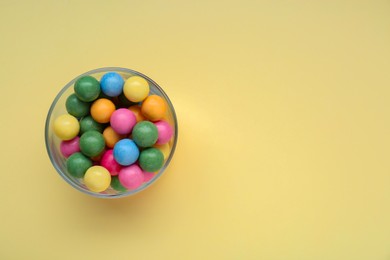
(109, 163)
(88, 123)
(102, 109)
(66, 127)
(151, 160)
(116, 184)
(137, 112)
(111, 137)
(112, 84)
(126, 152)
(154, 108)
(76, 107)
(131, 177)
(136, 89)
(97, 179)
(165, 132)
(92, 143)
(87, 88)
(145, 134)
(123, 121)
(77, 164)
(70, 147)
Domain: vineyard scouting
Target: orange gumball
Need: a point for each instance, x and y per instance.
(111, 137)
(102, 109)
(154, 107)
(137, 112)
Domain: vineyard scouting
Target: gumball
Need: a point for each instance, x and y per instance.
(136, 89)
(126, 152)
(131, 177)
(116, 184)
(70, 147)
(66, 127)
(111, 137)
(123, 121)
(97, 179)
(148, 176)
(154, 108)
(109, 163)
(164, 148)
(76, 107)
(87, 88)
(165, 132)
(145, 134)
(88, 123)
(102, 109)
(151, 159)
(137, 112)
(111, 84)
(92, 143)
(77, 164)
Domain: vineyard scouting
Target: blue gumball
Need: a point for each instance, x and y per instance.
(126, 152)
(112, 84)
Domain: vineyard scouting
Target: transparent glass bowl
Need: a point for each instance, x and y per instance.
(58, 108)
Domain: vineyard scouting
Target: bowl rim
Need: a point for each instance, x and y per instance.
(127, 193)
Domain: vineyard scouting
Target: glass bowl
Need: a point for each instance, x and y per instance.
(58, 108)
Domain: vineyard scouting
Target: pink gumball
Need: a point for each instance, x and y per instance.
(109, 163)
(122, 121)
(70, 147)
(131, 177)
(165, 132)
(148, 176)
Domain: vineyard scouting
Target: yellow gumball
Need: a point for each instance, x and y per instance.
(164, 148)
(97, 179)
(136, 89)
(66, 127)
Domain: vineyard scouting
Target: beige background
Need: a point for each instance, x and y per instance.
(283, 110)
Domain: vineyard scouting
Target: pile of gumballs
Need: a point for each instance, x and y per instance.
(116, 133)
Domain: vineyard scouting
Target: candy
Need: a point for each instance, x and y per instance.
(126, 152)
(92, 143)
(70, 147)
(154, 108)
(136, 89)
(109, 163)
(76, 107)
(66, 127)
(97, 179)
(102, 109)
(145, 134)
(151, 159)
(88, 123)
(111, 137)
(87, 88)
(116, 120)
(137, 112)
(116, 184)
(131, 177)
(77, 164)
(111, 84)
(123, 121)
(165, 132)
